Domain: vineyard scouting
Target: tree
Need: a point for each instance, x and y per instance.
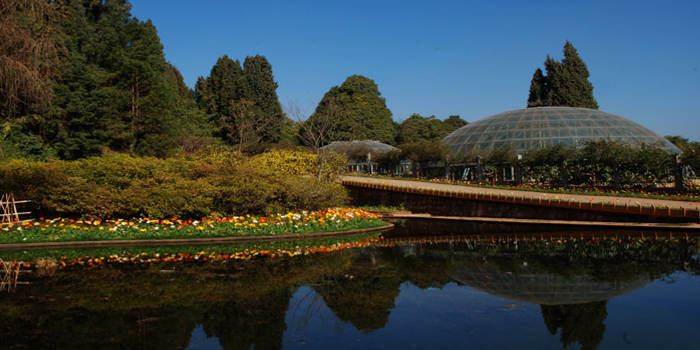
(538, 89)
(579, 323)
(262, 90)
(228, 84)
(580, 89)
(357, 112)
(566, 83)
(451, 124)
(423, 152)
(152, 99)
(418, 128)
(29, 55)
(30, 49)
(690, 149)
(242, 126)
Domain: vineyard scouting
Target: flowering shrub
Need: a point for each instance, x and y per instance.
(214, 184)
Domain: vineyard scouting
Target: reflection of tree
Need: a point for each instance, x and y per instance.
(364, 294)
(423, 269)
(582, 323)
(167, 327)
(248, 324)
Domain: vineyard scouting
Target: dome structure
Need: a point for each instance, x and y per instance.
(374, 146)
(539, 127)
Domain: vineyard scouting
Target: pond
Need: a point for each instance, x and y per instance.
(424, 285)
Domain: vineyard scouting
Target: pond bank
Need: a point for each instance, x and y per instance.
(636, 225)
(181, 241)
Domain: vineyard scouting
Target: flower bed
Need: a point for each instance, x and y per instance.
(297, 223)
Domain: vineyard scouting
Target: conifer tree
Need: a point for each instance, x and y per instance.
(556, 86)
(262, 91)
(580, 89)
(538, 89)
(566, 83)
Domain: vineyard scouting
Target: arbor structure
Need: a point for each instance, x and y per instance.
(566, 83)
(356, 111)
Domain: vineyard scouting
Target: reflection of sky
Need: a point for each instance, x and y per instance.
(664, 314)
(454, 317)
(199, 340)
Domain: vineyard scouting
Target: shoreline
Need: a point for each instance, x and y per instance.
(186, 241)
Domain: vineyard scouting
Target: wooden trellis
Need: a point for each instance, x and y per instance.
(10, 215)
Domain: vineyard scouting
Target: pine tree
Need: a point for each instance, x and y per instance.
(219, 91)
(262, 91)
(556, 87)
(579, 88)
(566, 83)
(538, 90)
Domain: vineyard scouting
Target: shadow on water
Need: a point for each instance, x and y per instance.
(247, 304)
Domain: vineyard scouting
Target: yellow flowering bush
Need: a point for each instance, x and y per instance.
(214, 184)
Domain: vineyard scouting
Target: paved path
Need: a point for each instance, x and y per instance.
(632, 205)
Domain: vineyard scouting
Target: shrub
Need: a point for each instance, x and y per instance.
(213, 184)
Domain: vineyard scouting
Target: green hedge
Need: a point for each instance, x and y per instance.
(118, 185)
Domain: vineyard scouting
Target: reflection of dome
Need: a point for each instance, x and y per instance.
(546, 288)
(539, 127)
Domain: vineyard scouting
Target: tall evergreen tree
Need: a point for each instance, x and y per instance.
(538, 90)
(219, 93)
(262, 90)
(357, 112)
(114, 88)
(566, 83)
(581, 90)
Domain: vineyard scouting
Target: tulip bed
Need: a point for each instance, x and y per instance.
(296, 223)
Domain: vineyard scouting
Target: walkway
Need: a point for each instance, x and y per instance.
(630, 205)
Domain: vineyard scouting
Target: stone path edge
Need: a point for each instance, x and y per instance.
(626, 205)
(681, 227)
(185, 241)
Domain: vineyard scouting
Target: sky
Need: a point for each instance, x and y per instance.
(469, 58)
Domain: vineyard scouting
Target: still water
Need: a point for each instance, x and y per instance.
(423, 286)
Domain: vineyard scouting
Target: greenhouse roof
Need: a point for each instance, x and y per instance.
(376, 146)
(539, 127)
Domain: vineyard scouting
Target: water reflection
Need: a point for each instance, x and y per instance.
(270, 304)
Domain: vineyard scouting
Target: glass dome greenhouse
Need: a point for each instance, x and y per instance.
(539, 127)
(374, 146)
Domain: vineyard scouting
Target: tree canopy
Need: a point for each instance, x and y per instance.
(418, 128)
(566, 83)
(242, 102)
(102, 80)
(356, 111)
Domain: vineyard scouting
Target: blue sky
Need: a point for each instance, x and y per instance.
(471, 58)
